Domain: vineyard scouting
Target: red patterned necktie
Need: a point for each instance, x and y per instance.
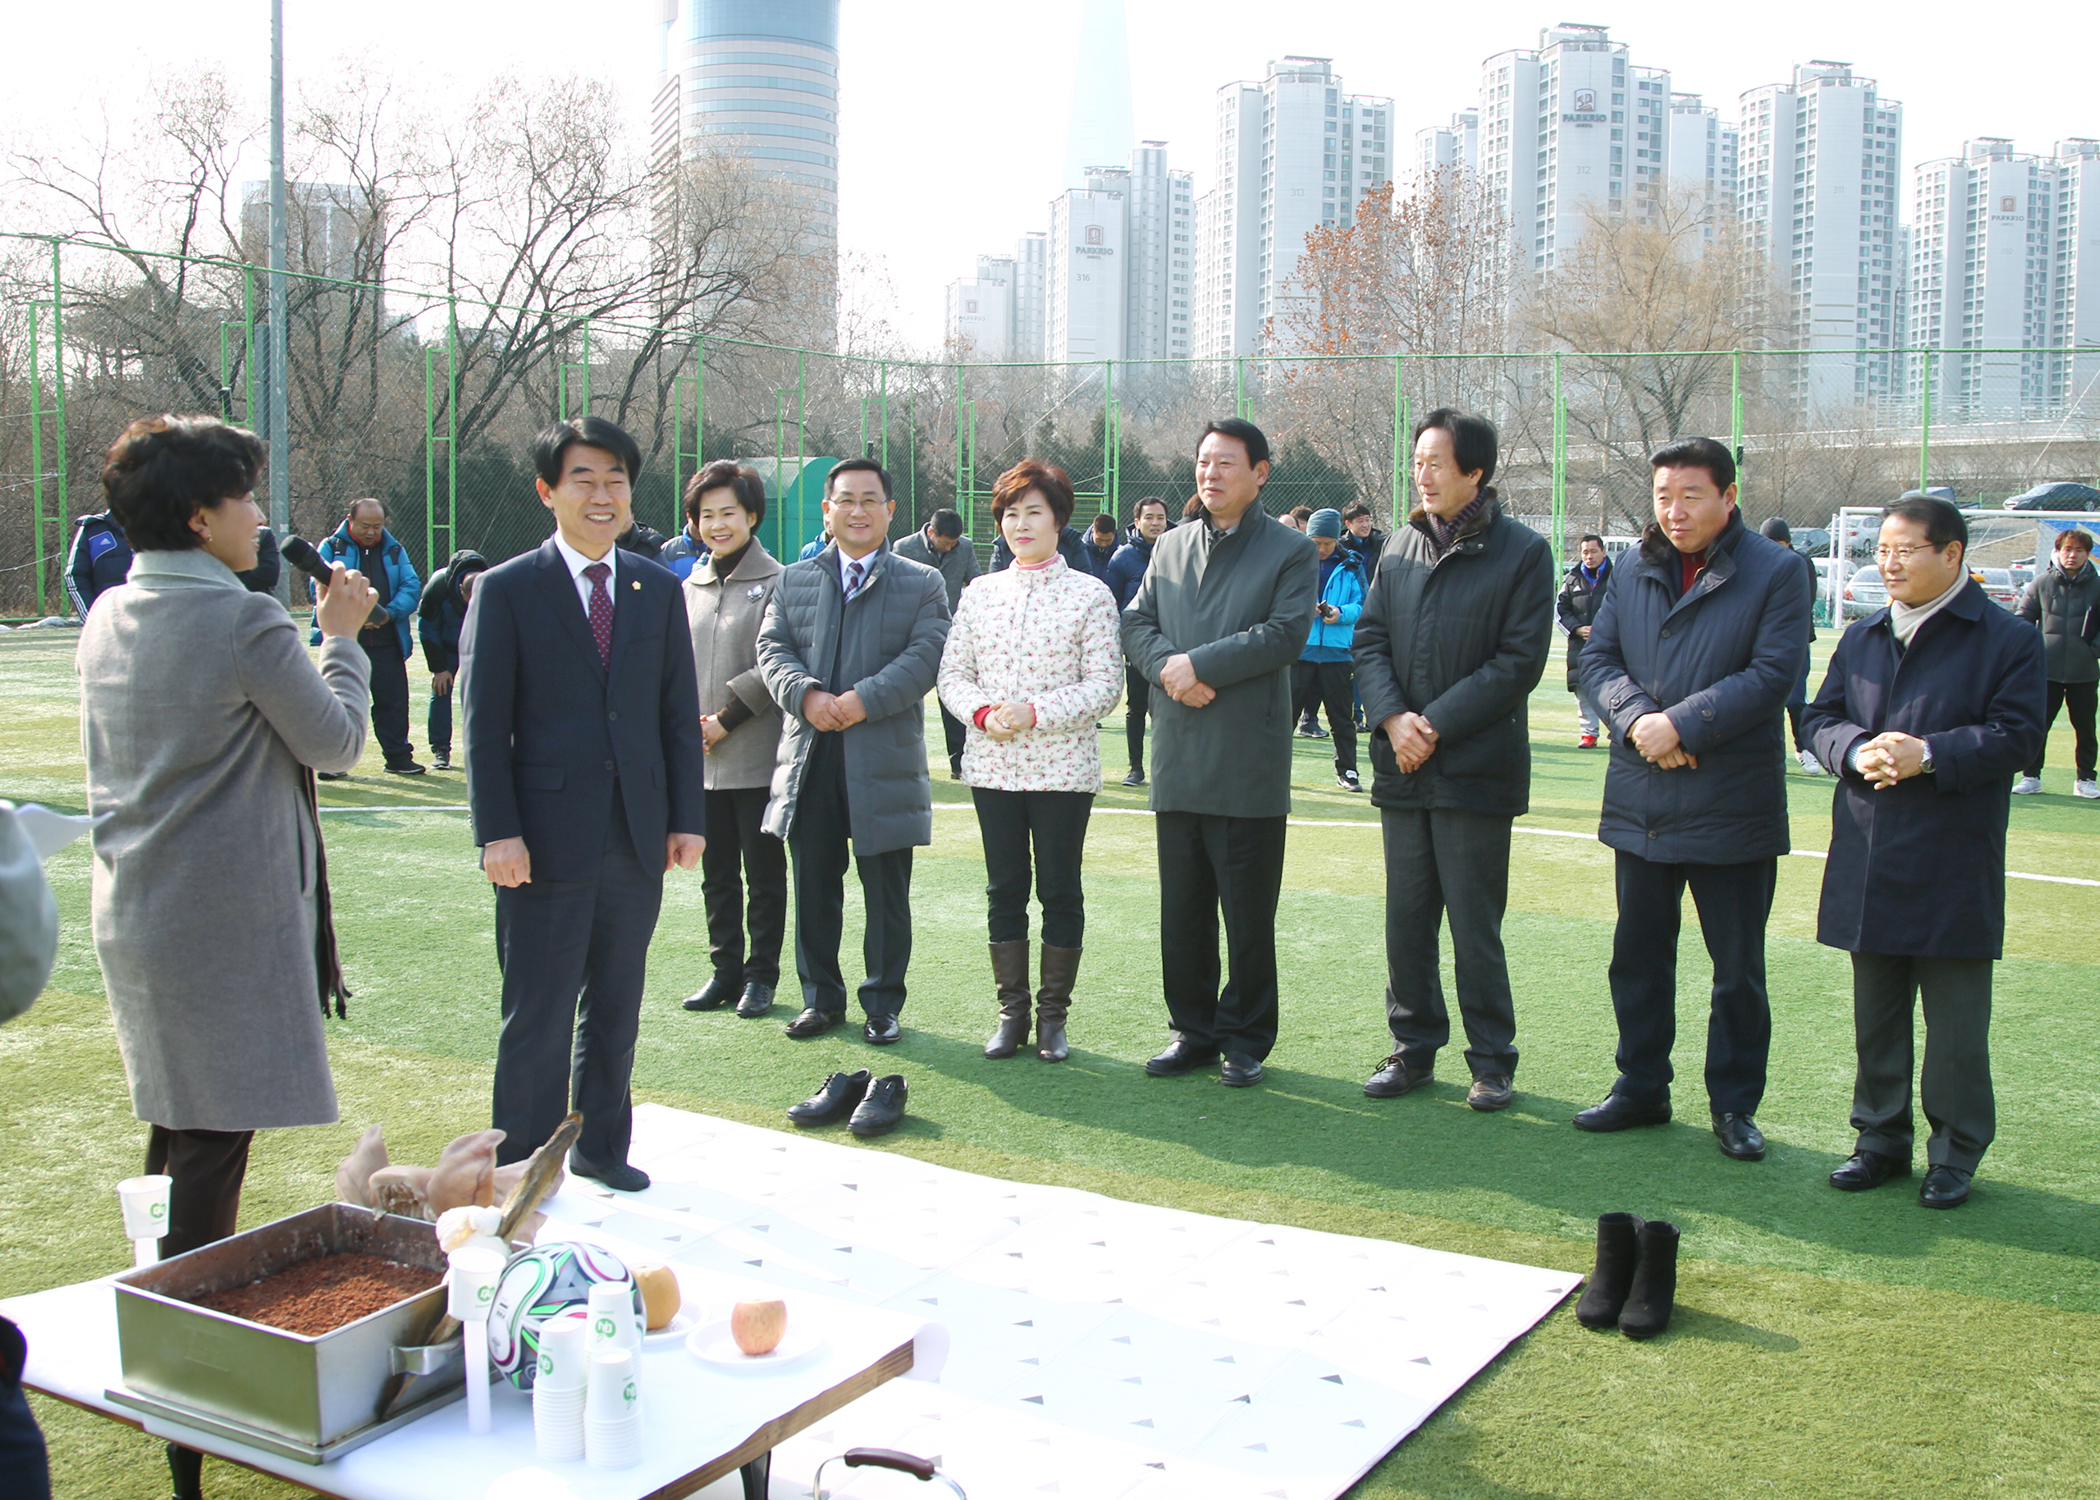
(601, 611)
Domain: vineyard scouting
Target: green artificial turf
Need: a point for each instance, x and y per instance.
(1825, 1343)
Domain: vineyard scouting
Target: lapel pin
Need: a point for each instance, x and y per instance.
(636, 585)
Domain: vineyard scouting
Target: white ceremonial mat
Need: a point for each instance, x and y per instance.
(1098, 1349)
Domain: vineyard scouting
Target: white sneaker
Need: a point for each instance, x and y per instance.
(2027, 786)
(1810, 764)
(2086, 788)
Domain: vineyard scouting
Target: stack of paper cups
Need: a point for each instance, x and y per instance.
(612, 1416)
(558, 1388)
(475, 1273)
(614, 1322)
(145, 1204)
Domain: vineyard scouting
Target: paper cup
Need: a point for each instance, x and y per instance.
(475, 1273)
(565, 1362)
(557, 1423)
(145, 1204)
(613, 1391)
(613, 1321)
(612, 1445)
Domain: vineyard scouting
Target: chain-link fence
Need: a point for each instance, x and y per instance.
(429, 404)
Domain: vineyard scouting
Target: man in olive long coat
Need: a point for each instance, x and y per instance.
(1224, 610)
(1930, 707)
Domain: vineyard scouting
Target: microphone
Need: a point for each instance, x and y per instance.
(299, 552)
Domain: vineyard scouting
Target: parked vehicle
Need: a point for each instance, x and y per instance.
(2058, 495)
(2001, 586)
(1812, 541)
(1864, 593)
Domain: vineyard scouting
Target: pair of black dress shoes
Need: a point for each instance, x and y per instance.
(1738, 1133)
(1635, 1283)
(752, 1001)
(880, 1031)
(876, 1105)
(1943, 1187)
(1236, 1070)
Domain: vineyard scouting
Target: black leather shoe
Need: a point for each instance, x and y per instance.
(621, 1178)
(323, 776)
(442, 761)
(882, 1030)
(814, 1022)
(1490, 1092)
(1868, 1169)
(840, 1093)
(756, 1001)
(1739, 1137)
(1618, 1112)
(1180, 1057)
(1944, 1187)
(1135, 778)
(883, 1110)
(1396, 1076)
(406, 768)
(715, 994)
(1239, 1070)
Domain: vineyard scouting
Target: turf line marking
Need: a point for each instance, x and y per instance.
(1143, 812)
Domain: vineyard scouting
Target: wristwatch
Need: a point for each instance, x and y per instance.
(1925, 760)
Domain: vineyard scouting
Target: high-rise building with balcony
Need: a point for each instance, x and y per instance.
(1453, 145)
(1702, 157)
(1816, 193)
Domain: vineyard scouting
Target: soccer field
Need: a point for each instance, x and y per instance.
(1824, 1343)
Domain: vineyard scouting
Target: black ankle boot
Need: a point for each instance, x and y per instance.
(1647, 1310)
(1617, 1254)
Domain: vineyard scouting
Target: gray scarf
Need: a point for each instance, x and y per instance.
(1904, 619)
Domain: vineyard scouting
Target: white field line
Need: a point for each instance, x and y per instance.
(1140, 812)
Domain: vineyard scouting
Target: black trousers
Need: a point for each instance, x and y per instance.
(1137, 703)
(2080, 698)
(820, 841)
(204, 1200)
(1438, 861)
(1055, 822)
(25, 1468)
(440, 721)
(741, 854)
(955, 732)
(574, 955)
(1956, 1084)
(1209, 863)
(1734, 902)
(389, 693)
(1331, 685)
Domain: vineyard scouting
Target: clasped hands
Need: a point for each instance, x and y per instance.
(1655, 736)
(1005, 720)
(1413, 739)
(1890, 757)
(832, 711)
(1179, 678)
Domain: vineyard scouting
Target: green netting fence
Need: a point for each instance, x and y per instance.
(429, 403)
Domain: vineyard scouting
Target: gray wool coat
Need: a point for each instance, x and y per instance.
(199, 708)
(725, 615)
(1242, 609)
(886, 646)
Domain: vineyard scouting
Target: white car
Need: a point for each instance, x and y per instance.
(1864, 593)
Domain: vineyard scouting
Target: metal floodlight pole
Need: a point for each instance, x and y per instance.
(280, 404)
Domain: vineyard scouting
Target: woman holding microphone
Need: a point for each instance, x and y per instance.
(204, 720)
(725, 600)
(1031, 665)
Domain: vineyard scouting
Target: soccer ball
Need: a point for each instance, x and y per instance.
(542, 1283)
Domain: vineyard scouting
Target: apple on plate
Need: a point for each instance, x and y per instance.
(757, 1324)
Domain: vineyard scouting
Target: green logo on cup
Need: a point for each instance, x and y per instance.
(604, 1328)
(484, 1293)
(157, 1210)
(546, 1364)
(628, 1394)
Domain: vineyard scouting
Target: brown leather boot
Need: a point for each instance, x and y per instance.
(1010, 976)
(1053, 1000)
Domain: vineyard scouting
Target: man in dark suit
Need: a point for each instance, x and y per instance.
(1915, 885)
(585, 776)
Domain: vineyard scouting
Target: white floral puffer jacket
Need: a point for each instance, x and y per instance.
(1046, 637)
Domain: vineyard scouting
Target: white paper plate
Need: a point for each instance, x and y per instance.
(674, 1331)
(713, 1346)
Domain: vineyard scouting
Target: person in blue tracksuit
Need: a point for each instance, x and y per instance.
(1323, 672)
(364, 544)
(1126, 570)
(439, 620)
(100, 559)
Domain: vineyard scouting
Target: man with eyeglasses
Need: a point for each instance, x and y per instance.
(850, 648)
(2064, 602)
(1914, 887)
(1690, 660)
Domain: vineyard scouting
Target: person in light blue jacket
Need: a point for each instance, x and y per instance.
(1323, 674)
(364, 543)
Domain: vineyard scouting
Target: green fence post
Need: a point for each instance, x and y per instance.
(58, 395)
(1560, 469)
(1399, 443)
(801, 413)
(429, 453)
(1111, 447)
(1239, 384)
(885, 390)
(452, 420)
(586, 366)
(1925, 424)
(36, 453)
(700, 404)
(962, 500)
(1735, 410)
